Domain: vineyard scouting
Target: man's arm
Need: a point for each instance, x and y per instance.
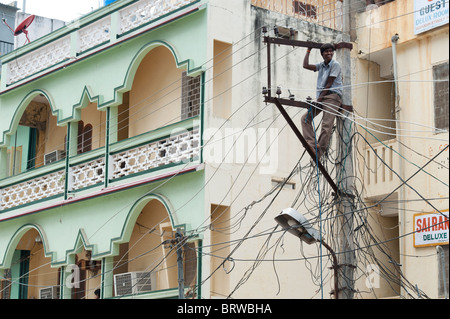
(306, 64)
(324, 92)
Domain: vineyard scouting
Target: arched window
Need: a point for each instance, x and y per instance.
(84, 143)
(31, 275)
(151, 254)
(37, 141)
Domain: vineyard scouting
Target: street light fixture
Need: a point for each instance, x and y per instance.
(295, 223)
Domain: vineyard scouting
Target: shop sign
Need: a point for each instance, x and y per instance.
(431, 229)
(430, 14)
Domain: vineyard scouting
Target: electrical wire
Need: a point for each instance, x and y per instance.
(94, 233)
(238, 42)
(266, 242)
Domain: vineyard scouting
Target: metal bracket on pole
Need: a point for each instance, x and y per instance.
(302, 104)
(305, 144)
(306, 44)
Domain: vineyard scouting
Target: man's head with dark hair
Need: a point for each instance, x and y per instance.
(326, 46)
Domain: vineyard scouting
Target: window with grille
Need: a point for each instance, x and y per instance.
(305, 9)
(190, 98)
(5, 285)
(440, 78)
(84, 137)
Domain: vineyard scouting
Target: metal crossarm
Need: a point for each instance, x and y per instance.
(303, 104)
(305, 144)
(305, 44)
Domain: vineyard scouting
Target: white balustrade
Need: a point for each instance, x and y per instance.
(94, 34)
(174, 149)
(89, 36)
(178, 148)
(380, 161)
(87, 174)
(40, 59)
(145, 11)
(32, 190)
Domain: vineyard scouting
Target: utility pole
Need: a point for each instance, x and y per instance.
(345, 264)
(344, 174)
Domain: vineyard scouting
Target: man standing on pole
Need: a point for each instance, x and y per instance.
(329, 98)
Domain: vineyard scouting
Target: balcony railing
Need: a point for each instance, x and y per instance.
(380, 164)
(80, 37)
(174, 149)
(33, 189)
(138, 155)
(327, 13)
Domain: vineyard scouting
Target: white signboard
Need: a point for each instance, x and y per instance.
(430, 14)
(431, 229)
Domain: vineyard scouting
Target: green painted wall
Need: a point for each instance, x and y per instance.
(100, 224)
(103, 222)
(104, 75)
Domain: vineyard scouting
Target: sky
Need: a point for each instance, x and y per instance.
(66, 10)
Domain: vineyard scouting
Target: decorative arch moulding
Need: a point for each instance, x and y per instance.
(82, 238)
(88, 95)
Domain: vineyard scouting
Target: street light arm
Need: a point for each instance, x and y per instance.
(335, 268)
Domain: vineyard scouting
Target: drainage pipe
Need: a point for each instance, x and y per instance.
(401, 191)
(442, 261)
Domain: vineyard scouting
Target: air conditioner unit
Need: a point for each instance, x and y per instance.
(49, 292)
(134, 282)
(54, 156)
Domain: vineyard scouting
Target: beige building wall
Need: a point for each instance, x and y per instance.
(90, 115)
(419, 58)
(373, 94)
(42, 274)
(155, 96)
(248, 151)
(163, 259)
(223, 62)
(417, 141)
(55, 135)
